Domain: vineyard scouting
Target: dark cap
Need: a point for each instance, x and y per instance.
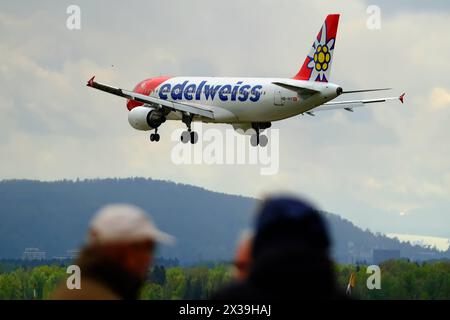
(287, 221)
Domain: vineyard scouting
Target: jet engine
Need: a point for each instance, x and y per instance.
(144, 118)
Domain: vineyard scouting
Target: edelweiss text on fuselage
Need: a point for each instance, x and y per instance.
(227, 92)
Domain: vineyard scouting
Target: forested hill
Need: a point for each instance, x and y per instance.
(54, 216)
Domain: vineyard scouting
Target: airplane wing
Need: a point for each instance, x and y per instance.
(183, 107)
(349, 105)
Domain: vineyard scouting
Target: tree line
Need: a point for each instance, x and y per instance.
(400, 279)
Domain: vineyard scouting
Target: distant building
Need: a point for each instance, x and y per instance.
(59, 258)
(33, 254)
(72, 254)
(381, 255)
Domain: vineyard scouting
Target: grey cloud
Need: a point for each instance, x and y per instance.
(58, 128)
(405, 6)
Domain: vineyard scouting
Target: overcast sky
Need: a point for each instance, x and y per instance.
(386, 167)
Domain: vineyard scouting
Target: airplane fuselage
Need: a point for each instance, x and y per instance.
(236, 100)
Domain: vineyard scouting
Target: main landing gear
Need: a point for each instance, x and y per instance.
(258, 139)
(189, 135)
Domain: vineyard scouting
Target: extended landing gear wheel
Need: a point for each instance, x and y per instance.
(259, 140)
(189, 136)
(254, 140)
(154, 137)
(194, 137)
(263, 140)
(185, 137)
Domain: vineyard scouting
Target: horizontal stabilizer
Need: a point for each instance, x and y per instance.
(350, 105)
(366, 90)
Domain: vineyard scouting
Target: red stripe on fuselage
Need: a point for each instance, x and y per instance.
(145, 87)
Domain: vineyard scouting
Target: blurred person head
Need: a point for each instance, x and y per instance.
(289, 255)
(243, 258)
(119, 250)
(290, 223)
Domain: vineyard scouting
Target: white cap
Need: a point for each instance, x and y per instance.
(124, 223)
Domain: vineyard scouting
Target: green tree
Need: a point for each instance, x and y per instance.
(152, 291)
(175, 284)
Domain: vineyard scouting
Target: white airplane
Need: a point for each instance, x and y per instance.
(245, 103)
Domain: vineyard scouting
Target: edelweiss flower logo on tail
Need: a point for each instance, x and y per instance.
(317, 64)
(321, 60)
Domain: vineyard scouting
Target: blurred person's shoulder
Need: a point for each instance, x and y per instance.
(90, 290)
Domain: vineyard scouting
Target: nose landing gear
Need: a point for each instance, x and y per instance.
(155, 136)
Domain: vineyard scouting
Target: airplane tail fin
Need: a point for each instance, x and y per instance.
(317, 64)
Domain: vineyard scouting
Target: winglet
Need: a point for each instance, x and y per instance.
(401, 98)
(90, 82)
